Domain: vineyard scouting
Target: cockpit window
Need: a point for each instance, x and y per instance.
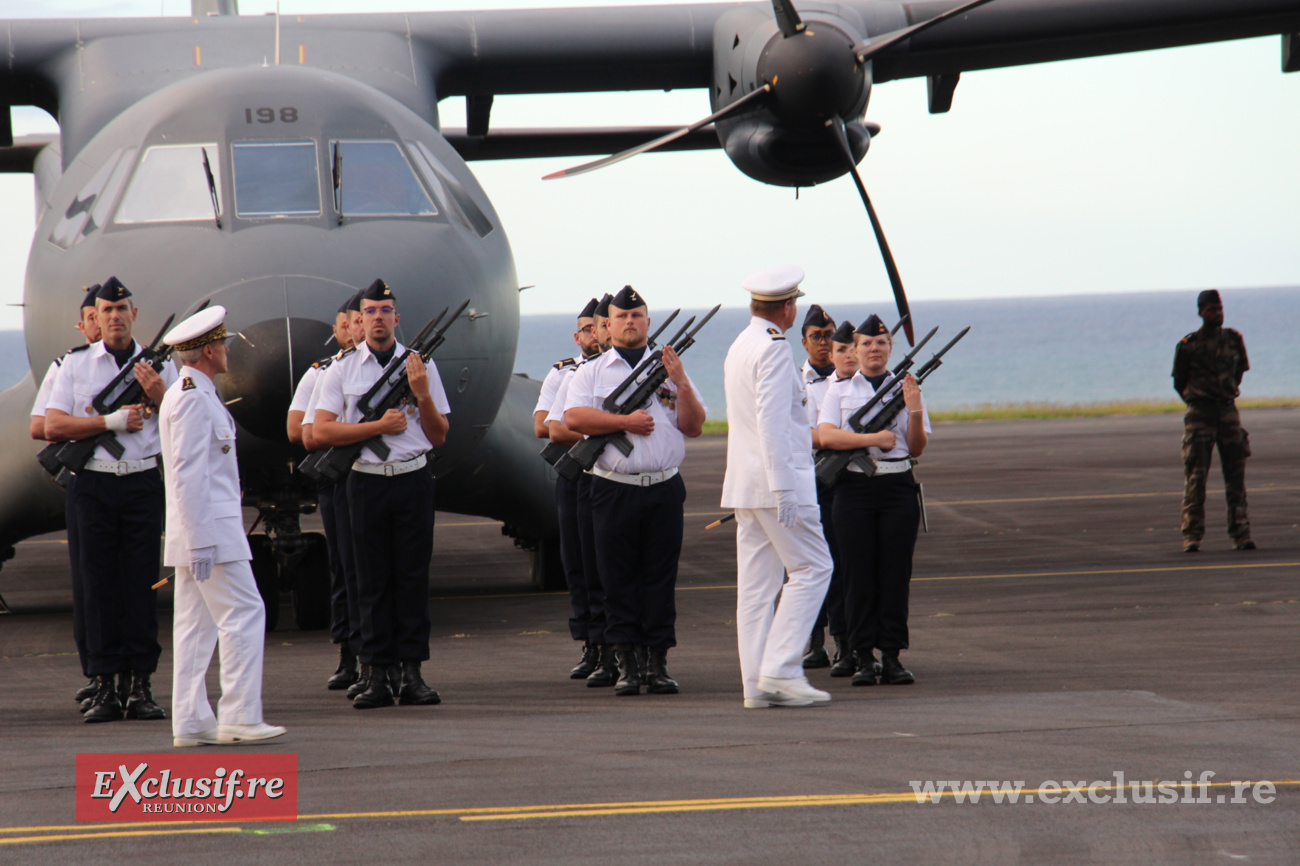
(79, 220)
(451, 191)
(170, 185)
(378, 181)
(276, 179)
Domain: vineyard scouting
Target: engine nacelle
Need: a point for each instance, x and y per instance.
(814, 76)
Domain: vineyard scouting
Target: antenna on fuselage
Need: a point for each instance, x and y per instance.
(204, 8)
(277, 32)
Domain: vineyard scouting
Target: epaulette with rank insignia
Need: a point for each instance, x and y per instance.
(567, 362)
(83, 347)
(187, 384)
(345, 353)
(323, 363)
(775, 334)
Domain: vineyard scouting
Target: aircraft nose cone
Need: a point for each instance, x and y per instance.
(266, 362)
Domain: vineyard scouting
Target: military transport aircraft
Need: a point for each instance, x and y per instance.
(330, 166)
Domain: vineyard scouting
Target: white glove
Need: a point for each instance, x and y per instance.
(787, 508)
(116, 421)
(201, 562)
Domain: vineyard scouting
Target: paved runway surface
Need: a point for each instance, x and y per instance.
(1059, 634)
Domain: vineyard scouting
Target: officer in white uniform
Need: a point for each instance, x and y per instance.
(217, 602)
(391, 501)
(115, 510)
(770, 484)
(637, 499)
(88, 325)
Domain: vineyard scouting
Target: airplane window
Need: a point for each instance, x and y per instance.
(170, 185)
(446, 186)
(276, 179)
(76, 221)
(377, 181)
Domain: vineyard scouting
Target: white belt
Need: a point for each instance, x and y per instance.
(884, 467)
(121, 467)
(641, 479)
(390, 468)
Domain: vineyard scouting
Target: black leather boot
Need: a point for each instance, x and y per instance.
(586, 664)
(140, 703)
(362, 683)
(816, 656)
(657, 681)
(629, 670)
(892, 672)
(87, 691)
(606, 672)
(414, 690)
(395, 679)
(843, 664)
(865, 668)
(378, 692)
(346, 674)
(105, 705)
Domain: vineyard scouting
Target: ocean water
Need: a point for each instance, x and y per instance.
(1075, 349)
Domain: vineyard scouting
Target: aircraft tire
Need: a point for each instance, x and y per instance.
(546, 569)
(311, 585)
(267, 575)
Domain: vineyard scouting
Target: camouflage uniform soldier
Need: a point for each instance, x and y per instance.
(1208, 366)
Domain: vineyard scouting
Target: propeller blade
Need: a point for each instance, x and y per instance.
(664, 139)
(865, 49)
(836, 125)
(787, 17)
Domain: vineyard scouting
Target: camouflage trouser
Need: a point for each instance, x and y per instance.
(1203, 426)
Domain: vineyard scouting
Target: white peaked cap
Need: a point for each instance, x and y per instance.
(205, 326)
(779, 283)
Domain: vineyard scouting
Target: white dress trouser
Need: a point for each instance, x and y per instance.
(771, 637)
(227, 609)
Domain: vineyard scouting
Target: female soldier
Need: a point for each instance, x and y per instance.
(876, 516)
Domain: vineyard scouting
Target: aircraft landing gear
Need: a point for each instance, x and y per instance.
(546, 571)
(267, 575)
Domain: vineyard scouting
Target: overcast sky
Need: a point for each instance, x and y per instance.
(1165, 170)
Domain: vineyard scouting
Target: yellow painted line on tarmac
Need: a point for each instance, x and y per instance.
(113, 834)
(1115, 571)
(1095, 496)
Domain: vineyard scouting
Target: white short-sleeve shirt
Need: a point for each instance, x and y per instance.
(663, 449)
(348, 379)
(82, 375)
(558, 372)
(846, 396)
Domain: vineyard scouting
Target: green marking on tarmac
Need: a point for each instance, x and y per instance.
(297, 828)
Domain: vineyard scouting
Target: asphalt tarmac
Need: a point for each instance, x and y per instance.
(1059, 635)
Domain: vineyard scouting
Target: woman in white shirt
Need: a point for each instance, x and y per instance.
(876, 515)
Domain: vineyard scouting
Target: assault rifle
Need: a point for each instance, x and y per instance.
(60, 458)
(391, 391)
(831, 464)
(554, 450)
(583, 455)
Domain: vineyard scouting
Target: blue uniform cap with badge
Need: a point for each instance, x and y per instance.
(602, 309)
(627, 299)
(113, 290)
(778, 283)
(1207, 297)
(817, 318)
(91, 295)
(352, 304)
(844, 333)
(873, 326)
(589, 311)
(377, 291)
(206, 326)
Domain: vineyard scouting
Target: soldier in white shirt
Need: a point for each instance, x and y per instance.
(88, 325)
(637, 499)
(391, 501)
(217, 602)
(115, 510)
(345, 624)
(876, 516)
(770, 484)
(566, 496)
(817, 373)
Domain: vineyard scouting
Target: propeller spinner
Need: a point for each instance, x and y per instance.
(821, 85)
